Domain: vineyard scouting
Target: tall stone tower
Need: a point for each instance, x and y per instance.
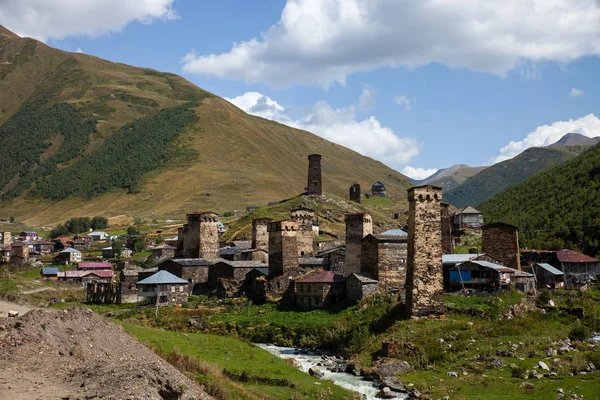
(447, 245)
(357, 227)
(315, 185)
(424, 279)
(283, 249)
(200, 235)
(260, 238)
(355, 193)
(304, 218)
(6, 238)
(501, 241)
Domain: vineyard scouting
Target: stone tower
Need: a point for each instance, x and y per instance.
(315, 185)
(424, 279)
(357, 227)
(447, 245)
(260, 239)
(6, 238)
(304, 218)
(355, 193)
(501, 241)
(283, 249)
(200, 235)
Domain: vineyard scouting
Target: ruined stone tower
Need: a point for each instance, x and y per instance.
(283, 249)
(357, 227)
(447, 245)
(304, 218)
(315, 185)
(501, 241)
(424, 279)
(260, 238)
(200, 235)
(355, 192)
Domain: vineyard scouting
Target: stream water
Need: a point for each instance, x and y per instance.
(347, 381)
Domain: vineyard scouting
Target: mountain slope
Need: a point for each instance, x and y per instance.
(557, 208)
(107, 138)
(498, 177)
(451, 177)
(576, 139)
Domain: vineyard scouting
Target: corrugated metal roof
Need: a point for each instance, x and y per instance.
(322, 277)
(224, 251)
(497, 267)
(550, 269)
(196, 262)
(162, 278)
(246, 264)
(573, 256)
(470, 210)
(49, 271)
(164, 246)
(363, 278)
(312, 260)
(94, 265)
(395, 232)
(70, 250)
(458, 258)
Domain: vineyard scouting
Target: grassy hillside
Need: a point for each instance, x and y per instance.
(557, 208)
(92, 148)
(498, 177)
(451, 177)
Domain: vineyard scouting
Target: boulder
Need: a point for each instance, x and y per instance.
(386, 393)
(414, 394)
(13, 313)
(316, 372)
(386, 367)
(393, 383)
(526, 385)
(543, 366)
(452, 374)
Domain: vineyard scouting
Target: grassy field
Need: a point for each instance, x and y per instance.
(220, 353)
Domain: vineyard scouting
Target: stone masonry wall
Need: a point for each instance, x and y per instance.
(447, 247)
(200, 236)
(424, 279)
(355, 193)
(501, 241)
(357, 227)
(304, 238)
(314, 186)
(283, 249)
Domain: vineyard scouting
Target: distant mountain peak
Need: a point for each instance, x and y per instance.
(576, 139)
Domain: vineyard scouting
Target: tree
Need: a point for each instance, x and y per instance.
(138, 244)
(117, 248)
(59, 230)
(12, 219)
(99, 223)
(79, 224)
(132, 231)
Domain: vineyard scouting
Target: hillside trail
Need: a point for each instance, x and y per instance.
(6, 306)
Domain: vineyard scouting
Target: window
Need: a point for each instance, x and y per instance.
(173, 289)
(181, 288)
(301, 288)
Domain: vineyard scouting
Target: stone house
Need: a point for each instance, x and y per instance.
(68, 256)
(233, 270)
(384, 258)
(378, 190)
(193, 270)
(163, 288)
(524, 281)
(334, 259)
(127, 285)
(61, 243)
(313, 263)
(162, 251)
(19, 254)
(501, 241)
(319, 290)
(358, 287)
(5, 253)
(468, 217)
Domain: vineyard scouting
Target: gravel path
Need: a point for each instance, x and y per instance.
(6, 306)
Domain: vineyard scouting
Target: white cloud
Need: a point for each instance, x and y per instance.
(339, 125)
(78, 50)
(51, 19)
(418, 173)
(577, 92)
(547, 134)
(322, 42)
(403, 102)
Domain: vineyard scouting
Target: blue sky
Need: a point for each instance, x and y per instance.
(417, 85)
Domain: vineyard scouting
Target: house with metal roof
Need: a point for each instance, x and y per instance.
(68, 256)
(378, 190)
(319, 290)
(395, 232)
(468, 217)
(96, 235)
(193, 270)
(49, 273)
(163, 288)
(480, 275)
(546, 276)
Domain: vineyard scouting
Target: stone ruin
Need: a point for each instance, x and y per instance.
(355, 193)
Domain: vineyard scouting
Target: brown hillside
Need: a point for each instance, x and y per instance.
(237, 159)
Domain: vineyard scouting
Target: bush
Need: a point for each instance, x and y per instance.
(99, 223)
(579, 332)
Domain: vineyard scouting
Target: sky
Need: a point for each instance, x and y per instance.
(417, 85)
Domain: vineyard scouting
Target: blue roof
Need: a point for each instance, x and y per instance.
(550, 269)
(97, 233)
(70, 250)
(395, 232)
(49, 271)
(162, 278)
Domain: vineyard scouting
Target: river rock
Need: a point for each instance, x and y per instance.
(386, 393)
(316, 372)
(414, 394)
(393, 383)
(386, 367)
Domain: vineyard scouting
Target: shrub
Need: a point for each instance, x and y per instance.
(579, 332)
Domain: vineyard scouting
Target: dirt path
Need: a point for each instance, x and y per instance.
(6, 306)
(37, 290)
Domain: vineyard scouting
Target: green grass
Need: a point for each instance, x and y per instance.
(238, 356)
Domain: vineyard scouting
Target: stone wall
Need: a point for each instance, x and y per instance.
(501, 241)
(355, 193)
(447, 245)
(424, 277)
(283, 249)
(356, 290)
(200, 235)
(304, 238)
(6, 238)
(315, 184)
(384, 258)
(357, 227)
(260, 238)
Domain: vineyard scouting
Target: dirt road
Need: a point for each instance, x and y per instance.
(6, 306)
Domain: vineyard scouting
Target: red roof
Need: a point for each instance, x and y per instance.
(94, 265)
(574, 256)
(61, 239)
(322, 277)
(81, 274)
